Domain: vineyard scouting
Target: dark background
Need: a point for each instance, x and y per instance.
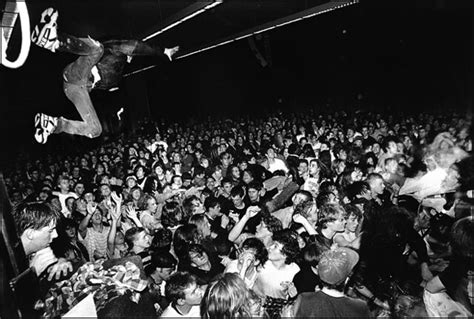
(385, 55)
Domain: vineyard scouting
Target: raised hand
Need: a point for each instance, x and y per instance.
(252, 211)
(132, 213)
(298, 218)
(91, 207)
(117, 198)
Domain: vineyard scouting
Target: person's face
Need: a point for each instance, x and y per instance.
(253, 194)
(97, 217)
(392, 167)
(79, 189)
(246, 177)
(205, 162)
(237, 200)
(262, 230)
(227, 187)
(376, 148)
(271, 153)
(302, 169)
(313, 168)
(151, 205)
(193, 295)
(140, 173)
(226, 160)
(337, 225)
(177, 182)
(365, 131)
(158, 170)
(136, 194)
(210, 183)
(378, 186)
(41, 238)
(71, 232)
(215, 211)
(64, 185)
(235, 172)
(247, 254)
(69, 203)
(392, 147)
(198, 259)
(275, 253)
(356, 175)
(142, 240)
(206, 228)
(164, 273)
(131, 182)
(105, 190)
(352, 223)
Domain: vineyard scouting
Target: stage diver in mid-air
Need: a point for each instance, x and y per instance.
(99, 66)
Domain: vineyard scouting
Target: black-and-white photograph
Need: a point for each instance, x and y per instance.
(236, 159)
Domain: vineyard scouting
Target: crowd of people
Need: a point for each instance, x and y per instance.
(315, 214)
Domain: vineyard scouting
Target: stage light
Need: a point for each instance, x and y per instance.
(187, 17)
(305, 14)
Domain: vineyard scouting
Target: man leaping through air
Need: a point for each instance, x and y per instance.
(99, 66)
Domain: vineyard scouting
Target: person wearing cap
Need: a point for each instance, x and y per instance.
(334, 270)
(161, 267)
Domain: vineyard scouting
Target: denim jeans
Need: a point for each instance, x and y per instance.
(110, 59)
(77, 86)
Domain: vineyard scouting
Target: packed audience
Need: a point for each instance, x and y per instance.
(294, 215)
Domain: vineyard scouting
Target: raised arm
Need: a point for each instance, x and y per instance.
(239, 227)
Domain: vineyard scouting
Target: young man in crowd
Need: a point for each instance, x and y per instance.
(334, 270)
(184, 296)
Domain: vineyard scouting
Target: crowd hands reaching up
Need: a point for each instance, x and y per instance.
(306, 214)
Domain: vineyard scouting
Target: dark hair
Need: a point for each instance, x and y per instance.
(143, 201)
(289, 240)
(33, 215)
(273, 223)
(183, 237)
(210, 202)
(172, 214)
(255, 185)
(351, 209)
(237, 191)
(323, 198)
(130, 235)
(312, 254)
(177, 284)
(160, 260)
(328, 213)
(162, 240)
(261, 253)
(462, 235)
(357, 188)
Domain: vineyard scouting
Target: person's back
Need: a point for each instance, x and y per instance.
(321, 305)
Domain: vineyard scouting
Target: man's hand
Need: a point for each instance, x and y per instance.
(61, 268)
(91, 207)
(298, 218)
(252, 211)
(42, 259)
(224, 221)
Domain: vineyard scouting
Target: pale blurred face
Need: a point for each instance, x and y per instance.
(275, 253)
(356, 175)
(262, 230)
(302, 169)
(227, 187)
(142, 240)
(43, 237)
(193, 295)
(313, 168)
(352, 223)
(136, 194)
(151, 205)
(337, 225)
(377, 186)
(247, 178)
(237, 200)
(253, 194)
(198, 259)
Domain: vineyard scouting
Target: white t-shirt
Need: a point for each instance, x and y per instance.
(278, 164)
(269, 279)
(170, 312)
(232, 267)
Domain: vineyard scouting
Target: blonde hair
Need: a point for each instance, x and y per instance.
(227, 298)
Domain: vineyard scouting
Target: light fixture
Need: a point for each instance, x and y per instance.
(305, 14)
(189, 13)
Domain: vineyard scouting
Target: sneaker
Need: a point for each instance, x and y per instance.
(44, 126)
(45, 34)
(170, 52)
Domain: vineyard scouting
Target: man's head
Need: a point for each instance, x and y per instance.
(376, 184)
(285, 246)
(137, 239)
(181, 289)
(63, 183)
(332, 217)
(253, 191)
(162, 266)
(336, 266)
(36, 226)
